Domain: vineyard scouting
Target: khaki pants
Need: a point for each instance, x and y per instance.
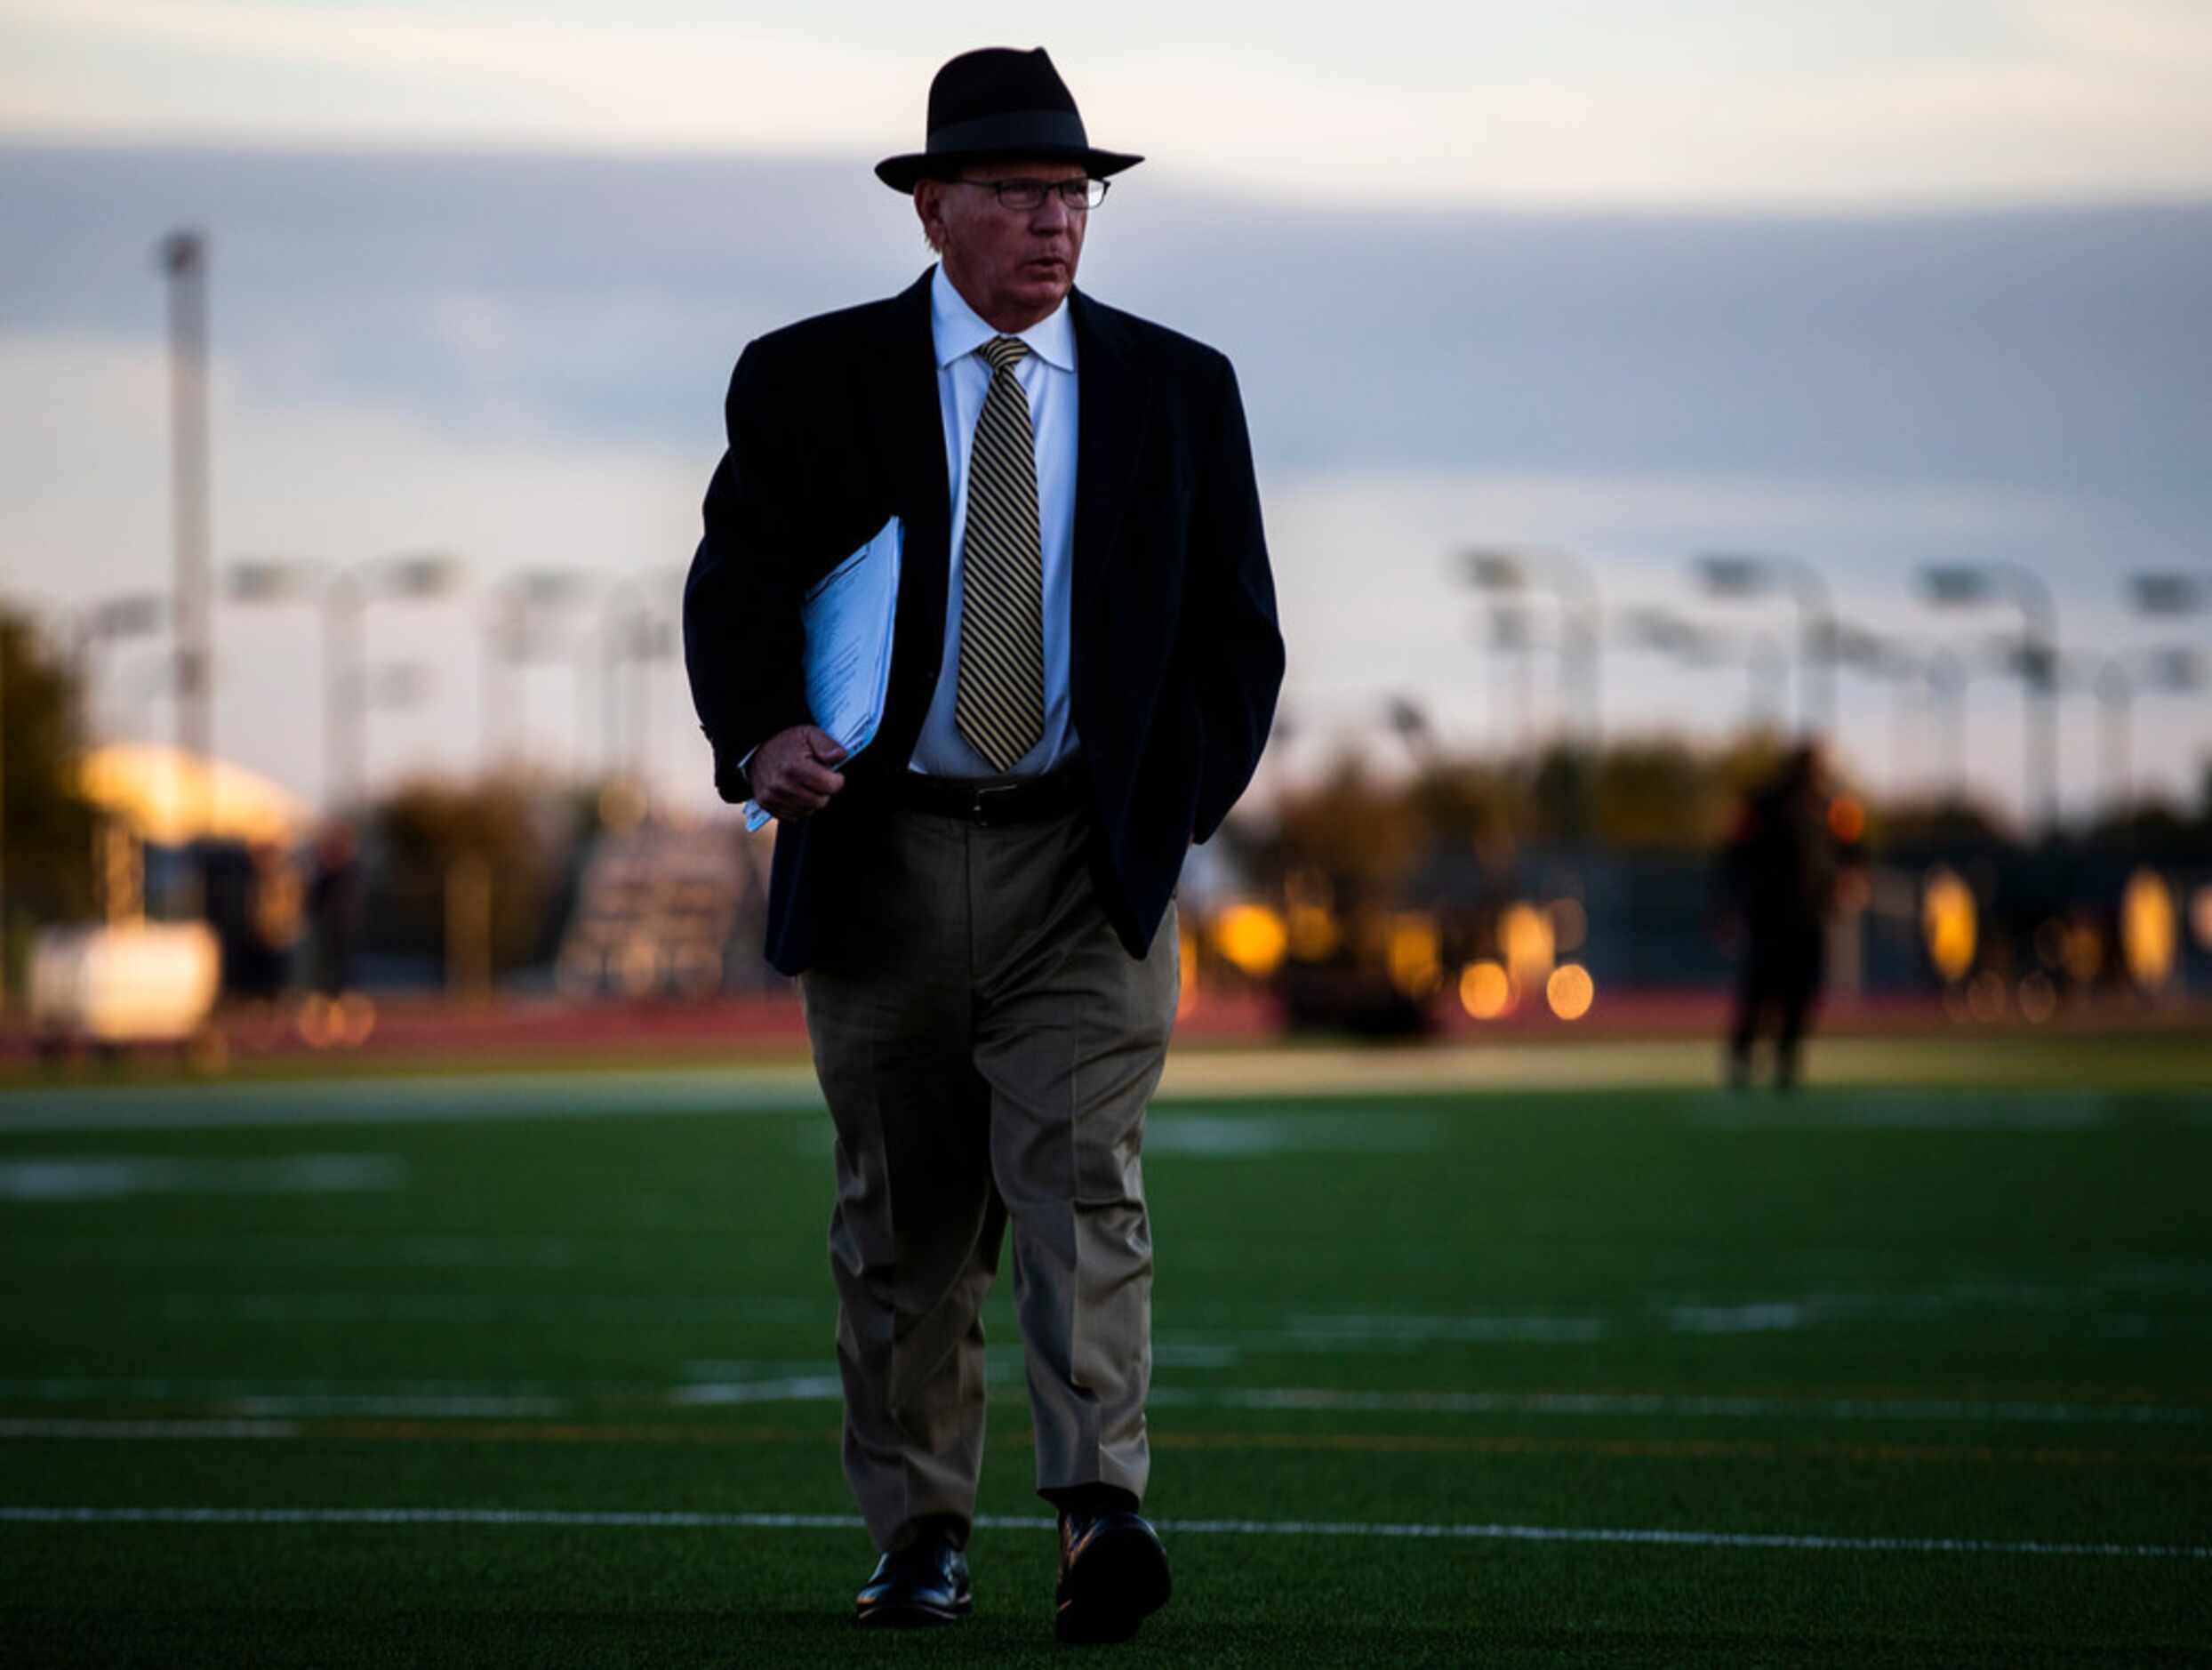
(987, 1048)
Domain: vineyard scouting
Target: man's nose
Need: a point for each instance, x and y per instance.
(1052, 214)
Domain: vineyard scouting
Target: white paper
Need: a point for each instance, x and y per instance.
(849, 619)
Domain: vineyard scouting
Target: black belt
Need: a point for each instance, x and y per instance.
(990, 801)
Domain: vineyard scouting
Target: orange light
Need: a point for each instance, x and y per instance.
(1314, 936)
(316, 1021)
(354, 1017)
(1947, 922)
(1846, 819)
(1526, 940)
(1570, 991)
(2085, 953)
(2149, 932)
(1484, 991)
(1413, 953)
(1253, 938)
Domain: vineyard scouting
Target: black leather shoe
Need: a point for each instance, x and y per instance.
(923, 1582)
(1113, 1576)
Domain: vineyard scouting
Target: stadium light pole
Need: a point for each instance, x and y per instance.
(1409, 722)
(1959, 585)
(1748, 574)
(128, 614)
(1517, 570)
(182, 257)
(1766, 663)
(2118, 682)
(344, 595)
(632, 636)
(4, 987)
(1877, 656)
(513, 626)
(1509, 640)
(2171, 593)
(1766, 693)
(622, 615)
(1946, 674)
(661, 641)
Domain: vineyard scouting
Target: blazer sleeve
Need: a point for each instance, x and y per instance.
(1238, 650)
(744, 646)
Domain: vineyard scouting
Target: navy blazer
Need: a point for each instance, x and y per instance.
(834, 426)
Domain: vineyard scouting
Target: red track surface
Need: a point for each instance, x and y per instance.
(511, 1028)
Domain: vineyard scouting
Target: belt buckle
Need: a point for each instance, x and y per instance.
(979, 800)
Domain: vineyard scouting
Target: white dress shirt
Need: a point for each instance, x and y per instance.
(1048, 377)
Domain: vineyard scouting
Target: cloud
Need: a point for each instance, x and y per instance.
(1700, 102)
(608, 297)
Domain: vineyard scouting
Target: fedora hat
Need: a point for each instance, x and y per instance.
(998, 102)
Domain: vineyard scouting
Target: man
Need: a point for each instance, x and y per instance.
(1778, 876)
(1085, 664)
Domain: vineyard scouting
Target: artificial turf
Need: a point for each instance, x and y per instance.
(1871, 1320)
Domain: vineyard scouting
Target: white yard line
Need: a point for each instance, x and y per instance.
(55, 1428)
(1647, 1405)
(820, 1388)
(171, 1388)
(1633, 1535)
(1900, 1110)
(462, 1407)
(236, 1399)
(52, 1178)
(434, 1098)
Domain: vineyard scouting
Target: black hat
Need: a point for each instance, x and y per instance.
(998, 102)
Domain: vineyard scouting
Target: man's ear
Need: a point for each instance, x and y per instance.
(929, 196)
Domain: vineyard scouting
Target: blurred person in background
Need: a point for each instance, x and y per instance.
(334, 901)
(1778, 880)
(1084, 665)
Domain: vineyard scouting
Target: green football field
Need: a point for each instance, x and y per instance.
(1458, 1361)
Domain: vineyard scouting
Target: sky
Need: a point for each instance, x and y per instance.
(1874, 284)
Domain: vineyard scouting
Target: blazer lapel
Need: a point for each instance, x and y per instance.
(912, 439)
(914, 423)
(1112, 407)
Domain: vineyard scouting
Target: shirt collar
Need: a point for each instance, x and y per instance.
(960, 330)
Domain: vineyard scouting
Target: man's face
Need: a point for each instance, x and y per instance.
(1013, 266)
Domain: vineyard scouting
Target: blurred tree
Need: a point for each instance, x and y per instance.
(1562, 794)
(2155, 829)
(1657, 794)
(47, 868)
(1930, 825)
(1463, 804)
(1660, 796)
(426, 826)
(1350, 828)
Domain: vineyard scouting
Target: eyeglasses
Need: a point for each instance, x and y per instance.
(1030, 194)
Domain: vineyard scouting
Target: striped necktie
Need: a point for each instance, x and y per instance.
(1000, 706)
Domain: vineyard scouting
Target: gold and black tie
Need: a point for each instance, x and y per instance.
(1000, 706)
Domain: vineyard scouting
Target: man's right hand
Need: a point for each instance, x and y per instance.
(793, 774)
